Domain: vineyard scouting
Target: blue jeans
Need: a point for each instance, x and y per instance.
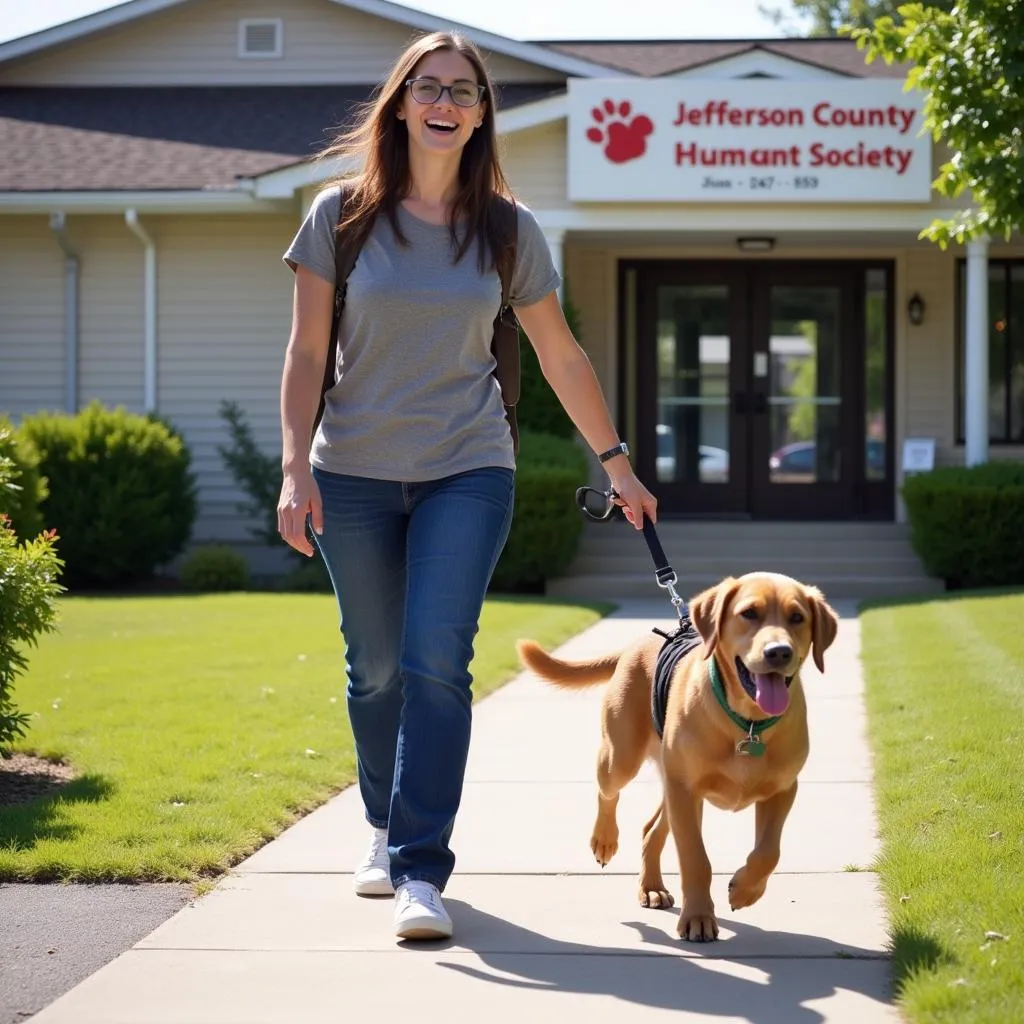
(410, 564)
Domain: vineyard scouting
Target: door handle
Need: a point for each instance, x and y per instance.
(760, 403)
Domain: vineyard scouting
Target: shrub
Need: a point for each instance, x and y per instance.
(546, 522)
(122, 498)
(309, 577)
(254, 472)
(27, 603)
(25, 488)
(215, 567)
(965, 523)
(539, 409)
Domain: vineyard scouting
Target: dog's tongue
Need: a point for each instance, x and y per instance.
(770, 692)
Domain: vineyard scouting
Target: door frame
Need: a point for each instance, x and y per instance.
(864, 498)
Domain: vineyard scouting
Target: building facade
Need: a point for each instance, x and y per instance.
(737, 224)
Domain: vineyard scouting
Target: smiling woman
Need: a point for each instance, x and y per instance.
(409, 485)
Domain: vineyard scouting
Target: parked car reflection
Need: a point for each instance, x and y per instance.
(713, 465)
(797, 462)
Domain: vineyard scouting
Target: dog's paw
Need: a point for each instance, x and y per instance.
(655, 896)
(697, 926)
(744, 890)
(604, 843)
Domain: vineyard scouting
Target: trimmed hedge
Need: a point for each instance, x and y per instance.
(967, 523)
(24, 487)
(122, 497)
(215, 567)
(546, 523)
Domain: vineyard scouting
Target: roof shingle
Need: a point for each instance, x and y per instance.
(82, 139)
(651, 58)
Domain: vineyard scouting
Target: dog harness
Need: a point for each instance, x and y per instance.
(677, 645)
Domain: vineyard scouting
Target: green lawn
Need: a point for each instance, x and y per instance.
(201, 727)
(945, 686)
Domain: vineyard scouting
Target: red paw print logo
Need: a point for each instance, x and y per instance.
(624, 138)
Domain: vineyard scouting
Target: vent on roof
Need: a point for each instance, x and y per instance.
(261, 37)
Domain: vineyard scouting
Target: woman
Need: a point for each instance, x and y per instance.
(409, 484)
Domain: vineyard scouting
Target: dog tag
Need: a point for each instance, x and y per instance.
(750, 747)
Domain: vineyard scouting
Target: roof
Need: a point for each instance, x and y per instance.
(201, 137)
(133, 10)
(651, 58)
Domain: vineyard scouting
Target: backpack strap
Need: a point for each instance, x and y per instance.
(347, 244)
(505, 342)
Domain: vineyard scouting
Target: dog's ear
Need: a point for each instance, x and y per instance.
(824, 625)
(707, 610)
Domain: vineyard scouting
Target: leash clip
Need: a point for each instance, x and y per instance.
(667, 580)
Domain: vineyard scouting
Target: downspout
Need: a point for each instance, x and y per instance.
(72, 268)
(149, 350)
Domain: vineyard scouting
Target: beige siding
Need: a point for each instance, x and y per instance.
(534, 161)
(930, 352)
(31, 317)
(225, 313)
(112, 345)
(224, 305)
(197, 44)
(110, 320)
(589, 280)
(928, 390)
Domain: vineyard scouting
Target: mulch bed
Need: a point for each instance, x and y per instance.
(24, 778)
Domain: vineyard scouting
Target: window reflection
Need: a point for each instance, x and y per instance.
(693, 355)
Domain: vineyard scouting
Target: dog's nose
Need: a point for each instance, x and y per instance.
(778, 654)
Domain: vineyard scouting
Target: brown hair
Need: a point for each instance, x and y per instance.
(382, 140)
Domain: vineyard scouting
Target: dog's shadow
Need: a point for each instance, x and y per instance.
(665, 973)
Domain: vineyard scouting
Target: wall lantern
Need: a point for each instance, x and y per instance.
(915, 310)
(755, 244)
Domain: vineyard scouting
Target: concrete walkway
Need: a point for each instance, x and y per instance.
(541, 932)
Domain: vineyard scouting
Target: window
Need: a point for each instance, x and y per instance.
(1005, 351)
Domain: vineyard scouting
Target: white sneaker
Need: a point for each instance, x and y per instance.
(419, 912)
(373, 875)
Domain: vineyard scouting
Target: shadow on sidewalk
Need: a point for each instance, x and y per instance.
(664, 973)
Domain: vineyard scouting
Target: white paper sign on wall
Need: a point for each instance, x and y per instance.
(918, 454)
(747, 140)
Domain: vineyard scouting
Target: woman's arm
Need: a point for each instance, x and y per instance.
(312, 311)
(569, 372)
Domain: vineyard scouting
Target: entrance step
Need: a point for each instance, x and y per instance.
(851, 561)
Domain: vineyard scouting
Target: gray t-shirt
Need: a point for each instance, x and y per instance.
(415, 397)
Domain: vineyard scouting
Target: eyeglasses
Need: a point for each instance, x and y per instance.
(430, 90)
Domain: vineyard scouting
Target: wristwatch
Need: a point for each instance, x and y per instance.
(620, 449)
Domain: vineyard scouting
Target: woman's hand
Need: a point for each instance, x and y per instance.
(300, 497)
(633, 498)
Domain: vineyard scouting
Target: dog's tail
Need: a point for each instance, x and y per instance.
(566, 673)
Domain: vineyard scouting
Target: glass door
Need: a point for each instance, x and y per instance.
(803, 428)
(762, 388)
(694, 451)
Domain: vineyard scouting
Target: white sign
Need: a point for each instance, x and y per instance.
(747, 140)
(918, 454)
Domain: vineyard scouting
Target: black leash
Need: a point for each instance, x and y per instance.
(664, 574)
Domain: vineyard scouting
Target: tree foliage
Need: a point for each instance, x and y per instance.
(969, 63)
(28, 596)
(828, 17)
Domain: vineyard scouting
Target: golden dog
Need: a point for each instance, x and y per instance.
(753, 634)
